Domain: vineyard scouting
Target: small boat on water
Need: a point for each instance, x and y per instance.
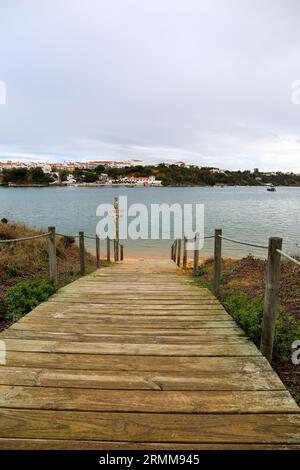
(271, 188)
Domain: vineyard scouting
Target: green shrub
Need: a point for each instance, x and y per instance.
(200, 271)
(248, 314)
(11, 271)
(24, 296)
(294, 391)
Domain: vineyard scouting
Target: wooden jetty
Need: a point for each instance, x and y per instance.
(135, 357)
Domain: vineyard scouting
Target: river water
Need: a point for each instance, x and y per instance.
(247, 213)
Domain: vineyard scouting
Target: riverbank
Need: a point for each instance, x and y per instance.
(130, 185)
(161, 174)
(24, 269)
(242, 292)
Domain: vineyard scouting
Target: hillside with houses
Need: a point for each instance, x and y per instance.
(135, 173)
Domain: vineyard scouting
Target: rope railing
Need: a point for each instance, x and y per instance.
(24, 239)
(272, 284)
(90, 237)
(66, 235)
(290, 258)
(51, 235)
(241, 242)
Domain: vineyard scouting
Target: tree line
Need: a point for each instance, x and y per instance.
(25, 176)
(170, 175)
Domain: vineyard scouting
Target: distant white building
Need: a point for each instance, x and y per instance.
(70, 180)
(103, 178)
(139, 180)
(46, 168)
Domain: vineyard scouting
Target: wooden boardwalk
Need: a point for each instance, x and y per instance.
(133, 357)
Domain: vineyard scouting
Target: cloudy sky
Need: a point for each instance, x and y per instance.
(204, 81)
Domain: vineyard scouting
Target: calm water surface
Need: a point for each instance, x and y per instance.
(246, 213)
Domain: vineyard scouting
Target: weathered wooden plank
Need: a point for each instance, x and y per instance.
(98, 299)
(174, 310)
(132, 317)
(143, 298)
(121, 303)
(68, 444)
(125, 380)
(124, 338)
(70, 327)
(55, 398)
(141, 310)
(147, 279)
(161, 286)
(156, 427)
(150, 291)
(205, 349)
(218, 365)
(155, 324)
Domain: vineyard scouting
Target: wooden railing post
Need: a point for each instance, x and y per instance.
(122, 252)
(108, 249)
(81, 253)
(98, 251)
(175, 251)
(172, 250)
(196, 254)
(271, 297)
(179, 252)
(184, 260)
(217, 260)
(52, 256)
(116, 250)
(117, 218)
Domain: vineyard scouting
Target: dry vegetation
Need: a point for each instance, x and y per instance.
(29, 260)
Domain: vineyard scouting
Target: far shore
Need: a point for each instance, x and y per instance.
(124, 185)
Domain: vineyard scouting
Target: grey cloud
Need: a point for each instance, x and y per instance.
(204, 81)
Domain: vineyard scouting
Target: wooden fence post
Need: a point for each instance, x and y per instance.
(175, 251)
(116, 250)
(98, 251)
(179, 252)
(122, 252)
(196, 254)
(271, 297)
(108, 249)
(117, 218)
(172, 250)
(81, 253)
(217, 260)
(184, 261)
(52, 256)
